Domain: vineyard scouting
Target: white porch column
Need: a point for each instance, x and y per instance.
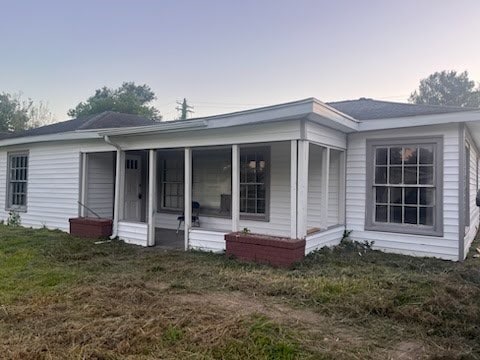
(83, 183)
(152, 196)
(188, 195)
(235, 187)
(119, 190)
(342, 189)
(293, 189)
(302, 188)
(324, 189)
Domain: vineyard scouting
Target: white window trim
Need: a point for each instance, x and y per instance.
(163, 208)
(370, 224)
(8, 205)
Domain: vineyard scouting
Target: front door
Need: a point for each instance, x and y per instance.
(133, 188)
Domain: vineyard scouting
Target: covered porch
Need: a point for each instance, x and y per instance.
(191, 197)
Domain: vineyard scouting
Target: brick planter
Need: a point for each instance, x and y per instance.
(277, 251)
(91, 227)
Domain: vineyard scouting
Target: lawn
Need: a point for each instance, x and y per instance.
(65, 297)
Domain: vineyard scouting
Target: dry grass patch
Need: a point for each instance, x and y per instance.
(63, 297)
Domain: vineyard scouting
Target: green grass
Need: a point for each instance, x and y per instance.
(65, 297)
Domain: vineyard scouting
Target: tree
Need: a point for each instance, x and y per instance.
(184, 109)
(447, 88)
(17, 114)
(128, 98)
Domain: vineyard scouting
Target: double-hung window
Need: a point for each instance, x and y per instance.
(404, 186)
(17, 181)
(254, 182)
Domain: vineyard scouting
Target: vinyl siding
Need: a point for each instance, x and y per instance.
(471, 230)
(207, 240)
(323, 135)
(445, 247)
(101, 183)
(330, 237)
(133, 233)
(53, 185)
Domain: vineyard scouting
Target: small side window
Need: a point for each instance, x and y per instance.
(17, 179)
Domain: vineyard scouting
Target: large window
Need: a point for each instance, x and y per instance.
(404, 186)
(17, 181)
(254, 182)
(172, 187)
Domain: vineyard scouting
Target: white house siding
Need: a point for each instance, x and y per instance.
(207, 240)
(101, 183)
(334, 188)
(53, 184)
(471, 230)
(133, 232)
(323, 135)
(330, 237)
(445, 247)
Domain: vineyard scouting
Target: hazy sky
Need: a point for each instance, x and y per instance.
(231, 55)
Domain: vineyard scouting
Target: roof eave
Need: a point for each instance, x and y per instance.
(419, 120)
(67, 136)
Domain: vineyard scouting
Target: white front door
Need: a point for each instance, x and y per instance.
(133, 188)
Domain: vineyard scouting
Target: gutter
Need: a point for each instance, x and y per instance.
(118, 185)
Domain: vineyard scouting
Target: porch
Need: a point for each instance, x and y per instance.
(293, 189)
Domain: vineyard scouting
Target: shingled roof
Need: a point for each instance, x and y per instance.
(369, 109)
(104, 120)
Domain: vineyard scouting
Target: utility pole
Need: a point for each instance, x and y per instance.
(184, 109)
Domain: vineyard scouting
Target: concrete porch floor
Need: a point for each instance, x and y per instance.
(169, 239)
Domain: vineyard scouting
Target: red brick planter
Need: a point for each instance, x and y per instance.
(91, 227)
(265, 249)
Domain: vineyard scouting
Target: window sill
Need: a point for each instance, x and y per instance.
(254, 218)
(18, 210)
(404, 229)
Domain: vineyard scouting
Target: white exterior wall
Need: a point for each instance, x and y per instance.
(100, 183)
(52, 188)
(206, 240)
(471, 230)
(330, 237)
(445, 247)
(133, 232)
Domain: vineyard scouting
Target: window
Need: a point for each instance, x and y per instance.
(404, 186)
(17, 181)
(172, 181)
(253, 182)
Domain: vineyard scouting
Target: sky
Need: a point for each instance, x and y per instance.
(230, 55)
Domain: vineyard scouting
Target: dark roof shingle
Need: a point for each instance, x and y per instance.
(105, 120)
(369, 109)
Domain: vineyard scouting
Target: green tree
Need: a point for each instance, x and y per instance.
(14, 113)
(128, 98)
(447, 88)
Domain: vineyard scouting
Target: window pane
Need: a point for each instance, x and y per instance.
(411, 196)
(395, 175)
(426, 216)
(426, 175)
(410, 215)
(426, 154)
(381, 156)
(395, 156)
(410, 175)
(261, 206)
(382, 194)
(381, 213)
(410, 155)
(251, 206)
(381, 175)
(395, 195)
(427, 196)
(396, 214)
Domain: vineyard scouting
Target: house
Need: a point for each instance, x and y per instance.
(400, 175)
